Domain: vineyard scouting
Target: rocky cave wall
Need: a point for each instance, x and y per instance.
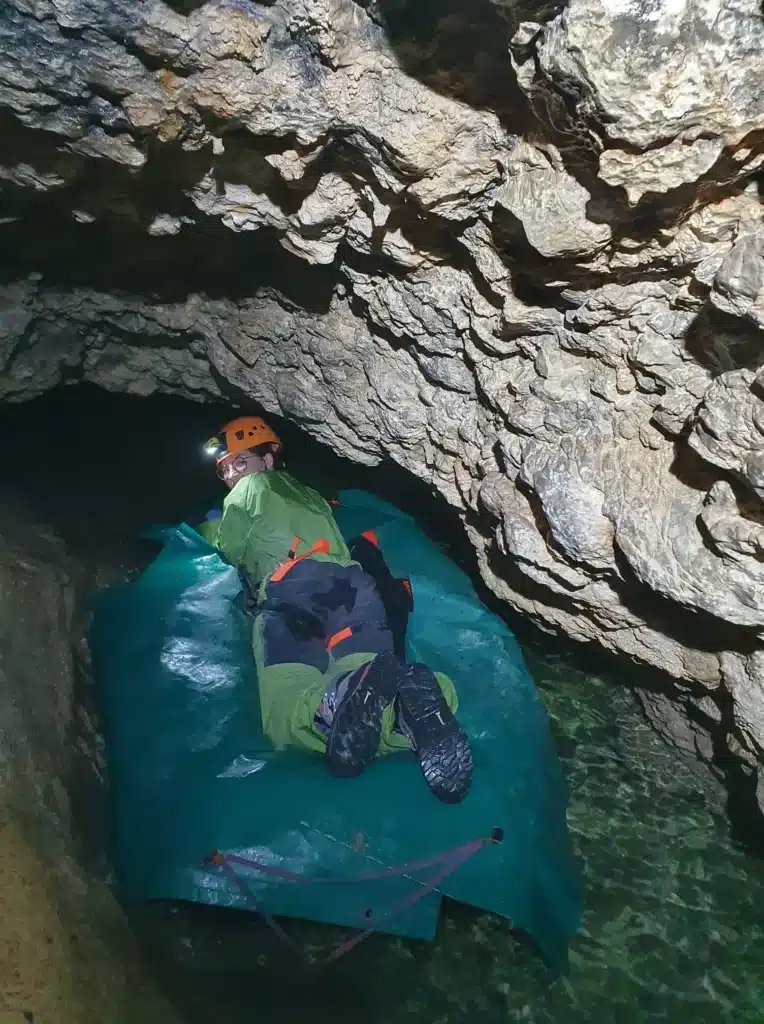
(66, 954)
(516, 249)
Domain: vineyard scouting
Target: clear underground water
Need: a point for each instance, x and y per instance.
(673, 926)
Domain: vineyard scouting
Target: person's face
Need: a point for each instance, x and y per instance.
(234, 467)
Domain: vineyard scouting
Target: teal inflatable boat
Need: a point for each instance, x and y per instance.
(206, 810)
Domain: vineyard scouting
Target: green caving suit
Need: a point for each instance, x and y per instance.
(262, 515)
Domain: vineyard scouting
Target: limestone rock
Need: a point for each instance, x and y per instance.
(659, 170)
(728, 427)
(551, 206)
(656, 516)
(738, 286)
(322, 219)
(656, 79)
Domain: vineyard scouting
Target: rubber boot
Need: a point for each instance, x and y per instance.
(357, 723)
(440, 743)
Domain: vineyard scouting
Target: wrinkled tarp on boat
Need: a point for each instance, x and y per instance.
(191, 771)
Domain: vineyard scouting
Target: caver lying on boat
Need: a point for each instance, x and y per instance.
(330, 624)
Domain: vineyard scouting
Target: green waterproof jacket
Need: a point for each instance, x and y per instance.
(262, 516)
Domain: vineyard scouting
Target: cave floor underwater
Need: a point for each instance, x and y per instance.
(672, 924)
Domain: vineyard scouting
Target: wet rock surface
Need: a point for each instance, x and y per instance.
(515, 249)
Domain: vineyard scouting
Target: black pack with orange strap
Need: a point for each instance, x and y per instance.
(395, 593)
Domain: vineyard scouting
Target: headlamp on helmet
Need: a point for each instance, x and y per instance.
(214, 447)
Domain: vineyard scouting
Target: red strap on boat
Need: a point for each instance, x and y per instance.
(448, 867)
(268, 918)
(447, 861)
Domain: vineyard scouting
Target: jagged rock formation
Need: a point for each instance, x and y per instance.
(521, 255)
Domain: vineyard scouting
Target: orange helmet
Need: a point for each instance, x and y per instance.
(240, 435)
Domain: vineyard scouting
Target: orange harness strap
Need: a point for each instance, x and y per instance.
(320, 547)
(337, 638)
